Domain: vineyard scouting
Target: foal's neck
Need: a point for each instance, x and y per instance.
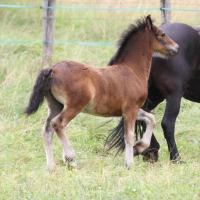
(139, 54)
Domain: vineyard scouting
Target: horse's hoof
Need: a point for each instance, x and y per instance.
(150, 156)
(177, 159)
(178, 162)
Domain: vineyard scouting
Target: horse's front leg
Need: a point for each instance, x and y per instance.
(144, 143)
(168, 124)
(129, 137)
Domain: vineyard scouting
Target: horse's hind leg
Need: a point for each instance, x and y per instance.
(54, 108)
(144, 143)
(168, 124)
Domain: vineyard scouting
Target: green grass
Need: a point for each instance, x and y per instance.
(23, 173)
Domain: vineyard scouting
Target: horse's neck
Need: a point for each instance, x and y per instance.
(139, 56)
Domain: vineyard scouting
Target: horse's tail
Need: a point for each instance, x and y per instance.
(116, 137)
(40, 90)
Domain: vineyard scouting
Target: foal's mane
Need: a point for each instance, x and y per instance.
(131, 32)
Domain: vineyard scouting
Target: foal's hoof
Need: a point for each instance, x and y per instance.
(72, 165)
(139, 147)
(128, 163)
(70, 161)
(51, 168)
(128, 166)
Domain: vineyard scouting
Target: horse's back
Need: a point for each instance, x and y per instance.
(177, 72)
(180, 31)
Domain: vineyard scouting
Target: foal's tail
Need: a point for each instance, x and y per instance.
(116, 137)
(40, 90)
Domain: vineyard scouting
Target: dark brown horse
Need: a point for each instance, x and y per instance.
(119, 90)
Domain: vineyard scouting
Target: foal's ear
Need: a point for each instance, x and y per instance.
(149, 22)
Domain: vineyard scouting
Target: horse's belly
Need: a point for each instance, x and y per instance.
(192, 92)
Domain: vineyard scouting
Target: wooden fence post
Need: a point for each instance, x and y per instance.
(48, 26)
(165, 6)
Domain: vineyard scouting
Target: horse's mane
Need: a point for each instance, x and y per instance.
(132, 31)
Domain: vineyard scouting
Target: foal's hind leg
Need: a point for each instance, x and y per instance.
(54, 108)
(59, 123)
(144, 143)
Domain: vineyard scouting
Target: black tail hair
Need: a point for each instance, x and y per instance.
(40, 90)
(116, 137)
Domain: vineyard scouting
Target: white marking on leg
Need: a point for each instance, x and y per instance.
(146, 139)
(128, 155)
(149, 119)
(47, 136)
(129, 142)
(68, 152)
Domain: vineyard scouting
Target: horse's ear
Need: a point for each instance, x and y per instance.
(149, 22)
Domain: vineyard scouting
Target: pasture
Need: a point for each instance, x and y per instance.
(100, 176)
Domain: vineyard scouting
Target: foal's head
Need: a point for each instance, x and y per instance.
(161, 43)
(143, 32)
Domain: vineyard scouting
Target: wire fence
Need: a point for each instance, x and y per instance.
(83, 7)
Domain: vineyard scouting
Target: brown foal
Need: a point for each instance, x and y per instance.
(120, 89)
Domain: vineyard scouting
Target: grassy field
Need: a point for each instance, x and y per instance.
(101, 176)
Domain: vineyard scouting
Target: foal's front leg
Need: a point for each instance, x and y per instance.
(129, 136)
(144, 143)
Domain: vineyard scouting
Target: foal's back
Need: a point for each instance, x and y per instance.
(101, 91)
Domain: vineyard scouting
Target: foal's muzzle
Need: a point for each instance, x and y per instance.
(173, 50)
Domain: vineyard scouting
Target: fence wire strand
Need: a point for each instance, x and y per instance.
(83, 7)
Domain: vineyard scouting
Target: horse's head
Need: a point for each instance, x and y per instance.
(161, 43)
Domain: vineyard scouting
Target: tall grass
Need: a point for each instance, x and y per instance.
(23, 173)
